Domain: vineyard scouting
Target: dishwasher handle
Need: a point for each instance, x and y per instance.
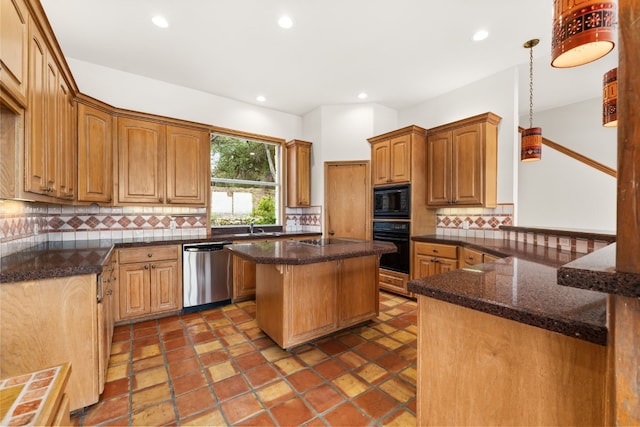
(207, 247)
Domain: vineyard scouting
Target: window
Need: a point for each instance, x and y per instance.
(245, 181)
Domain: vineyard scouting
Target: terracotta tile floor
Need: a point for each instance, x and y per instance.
(216, 367)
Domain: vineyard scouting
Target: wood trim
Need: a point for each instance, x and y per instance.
(248, 135)
(398, 132)
(577, 156)
(488, 117)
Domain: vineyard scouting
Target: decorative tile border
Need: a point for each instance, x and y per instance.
(474, 222)
(303, 219)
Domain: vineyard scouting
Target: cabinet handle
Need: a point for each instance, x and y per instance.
(435, 251)
(153, 266)
(160, 199)
(109, 291)
(150, 254)
(168, 199)
(146, 267)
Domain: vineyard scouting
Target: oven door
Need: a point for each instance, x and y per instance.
(398, 261)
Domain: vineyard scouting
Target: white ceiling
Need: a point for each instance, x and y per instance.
(401, 52)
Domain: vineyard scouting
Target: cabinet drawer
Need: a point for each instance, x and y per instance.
(471, 257)
(436, 249)
(393, 281)
(149, 253)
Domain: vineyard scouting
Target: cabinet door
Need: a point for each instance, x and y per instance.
(444, 265)
(166, 287)
(187, 166)
(298, 173)
(424, 266)
(14, 48)
(381, 162)
(439, 169)
(244, 278)
(140, 161)
(467, 164)
(36, 143)
(393, 281)
(400, 162)
(66, 135)
(134, 290)
(358, 289)
(95, 155)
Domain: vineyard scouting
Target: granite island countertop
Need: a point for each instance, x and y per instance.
(522, 286)
(296, 252)
(72, 258)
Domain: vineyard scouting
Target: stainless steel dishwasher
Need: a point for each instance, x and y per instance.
(206, 275)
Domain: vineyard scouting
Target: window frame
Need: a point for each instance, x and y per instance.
(280, 170)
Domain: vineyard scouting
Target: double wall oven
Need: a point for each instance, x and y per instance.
(391, 215)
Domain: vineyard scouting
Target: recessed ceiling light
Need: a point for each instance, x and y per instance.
(260, 98)
(480, 35)
(362, 95)
(160, 21)
(285, 22)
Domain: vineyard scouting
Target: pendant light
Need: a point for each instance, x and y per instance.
(610, 98)
(583, 31)
(531, 139)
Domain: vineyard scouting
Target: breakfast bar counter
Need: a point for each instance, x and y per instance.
(308, 289)
(503, 343)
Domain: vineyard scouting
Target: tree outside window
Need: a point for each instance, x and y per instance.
(245, 181)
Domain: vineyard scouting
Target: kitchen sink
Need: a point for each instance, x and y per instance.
(260, 234)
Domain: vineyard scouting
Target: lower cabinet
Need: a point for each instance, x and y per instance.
(433, 258)
(47, 322)
(298, 303)
(107, 282)
(469, 257)
(150, 282)
(394, 281)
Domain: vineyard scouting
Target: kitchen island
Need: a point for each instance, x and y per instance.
(502, 343)
(310, 288)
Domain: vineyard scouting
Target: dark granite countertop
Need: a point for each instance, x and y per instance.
(597, 272)
(522, 287)
(72, 258)
(294, 252)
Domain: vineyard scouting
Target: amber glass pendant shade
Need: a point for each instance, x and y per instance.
(610, 98)
(531, 145)
(583, 31)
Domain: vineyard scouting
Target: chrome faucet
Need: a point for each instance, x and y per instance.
(251, 227)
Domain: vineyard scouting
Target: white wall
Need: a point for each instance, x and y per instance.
(340, 132)
(561, 192)
(138, 93)
(497, 94)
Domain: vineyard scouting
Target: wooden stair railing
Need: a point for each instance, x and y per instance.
(577, 156)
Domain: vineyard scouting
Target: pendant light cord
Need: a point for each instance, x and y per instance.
(530, 87)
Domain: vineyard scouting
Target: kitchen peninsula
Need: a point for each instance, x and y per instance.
(310, 288)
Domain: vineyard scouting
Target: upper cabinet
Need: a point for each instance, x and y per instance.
(188, 167)
(161, 164)
(462, 162)
(95, 154)
(14, 48)
(391, 158)
(298, 173)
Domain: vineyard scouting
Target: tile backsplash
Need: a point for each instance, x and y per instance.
(474, 222)
(23, 225)
(303, 219)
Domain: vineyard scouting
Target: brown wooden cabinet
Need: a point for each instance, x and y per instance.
(66, 141)
(469, 257)
(160, 164)
(298, 303)
(149, 282)
(298, 173)
(95, 154)
(391, 159)
(141, 156)
(45, 322)
(433, 258)
(394, 281)
(187, 166)
(462, 162)
(14, 49)
(107, 283)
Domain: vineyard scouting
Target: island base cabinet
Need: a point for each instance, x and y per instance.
(479, 369)
(50, 322)
(297, 303)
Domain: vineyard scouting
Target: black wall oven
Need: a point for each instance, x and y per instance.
(396, 232)
(392, 202)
